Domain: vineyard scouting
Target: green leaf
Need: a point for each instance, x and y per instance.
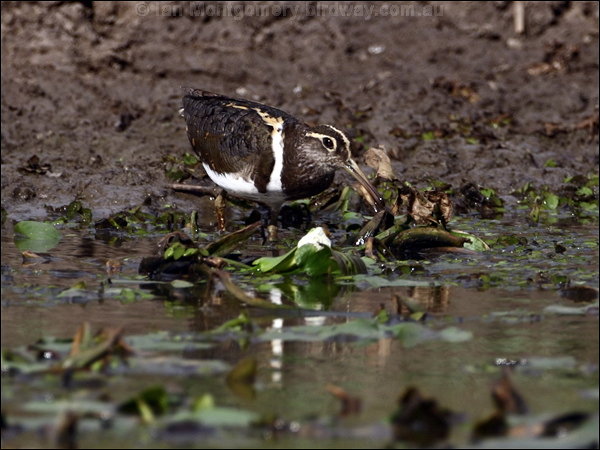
(127, 295)
(206, 401)
(382, 316)
(551, 200)
(191, 252)
(147, 404)
(36, 236)
(276, 263)
(169, 252)
(178, 250)
(315, 261)
(472, 242)
(305, 252)
(75, 294)
(313, 258)
(181, 284)
(190, 160)
(585, 191)
(589, 206)
(239, 323)
(350, 264)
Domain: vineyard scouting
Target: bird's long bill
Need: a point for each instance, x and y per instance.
(352, 168)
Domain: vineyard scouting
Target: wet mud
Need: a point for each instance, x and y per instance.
(93, 90)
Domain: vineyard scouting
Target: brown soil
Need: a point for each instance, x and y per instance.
(93, 89)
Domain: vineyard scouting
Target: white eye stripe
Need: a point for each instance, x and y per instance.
(346, 140)
(322, 138)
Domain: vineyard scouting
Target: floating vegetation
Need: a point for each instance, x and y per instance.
(36, 236)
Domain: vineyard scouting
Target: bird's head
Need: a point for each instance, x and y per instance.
(331, 148)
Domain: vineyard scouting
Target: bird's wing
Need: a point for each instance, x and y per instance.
(232, 136)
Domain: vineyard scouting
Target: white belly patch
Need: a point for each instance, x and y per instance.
(231, 181)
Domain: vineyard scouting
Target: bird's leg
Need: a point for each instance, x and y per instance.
(218, 193)
(268, 215)
(220, 211)
(308, 216)
(272, 227)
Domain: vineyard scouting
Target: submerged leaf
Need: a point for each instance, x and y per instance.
(241, 378)
(218, 417)
(379, 282)
(572, 310)
(454, 334)
(36, 236)
(365, 329)
(243, 372)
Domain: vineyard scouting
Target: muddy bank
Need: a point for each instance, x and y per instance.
(92, 89)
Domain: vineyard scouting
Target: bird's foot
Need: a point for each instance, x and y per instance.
(272, 233)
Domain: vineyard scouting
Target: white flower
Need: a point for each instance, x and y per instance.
(316, 237)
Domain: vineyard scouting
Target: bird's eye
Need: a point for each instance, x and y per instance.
(328, 143)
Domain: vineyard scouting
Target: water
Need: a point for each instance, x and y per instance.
(504, 299)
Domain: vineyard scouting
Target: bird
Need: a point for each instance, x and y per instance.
(260, 153)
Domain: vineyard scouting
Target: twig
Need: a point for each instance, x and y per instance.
(519, 17)
(195, 189)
